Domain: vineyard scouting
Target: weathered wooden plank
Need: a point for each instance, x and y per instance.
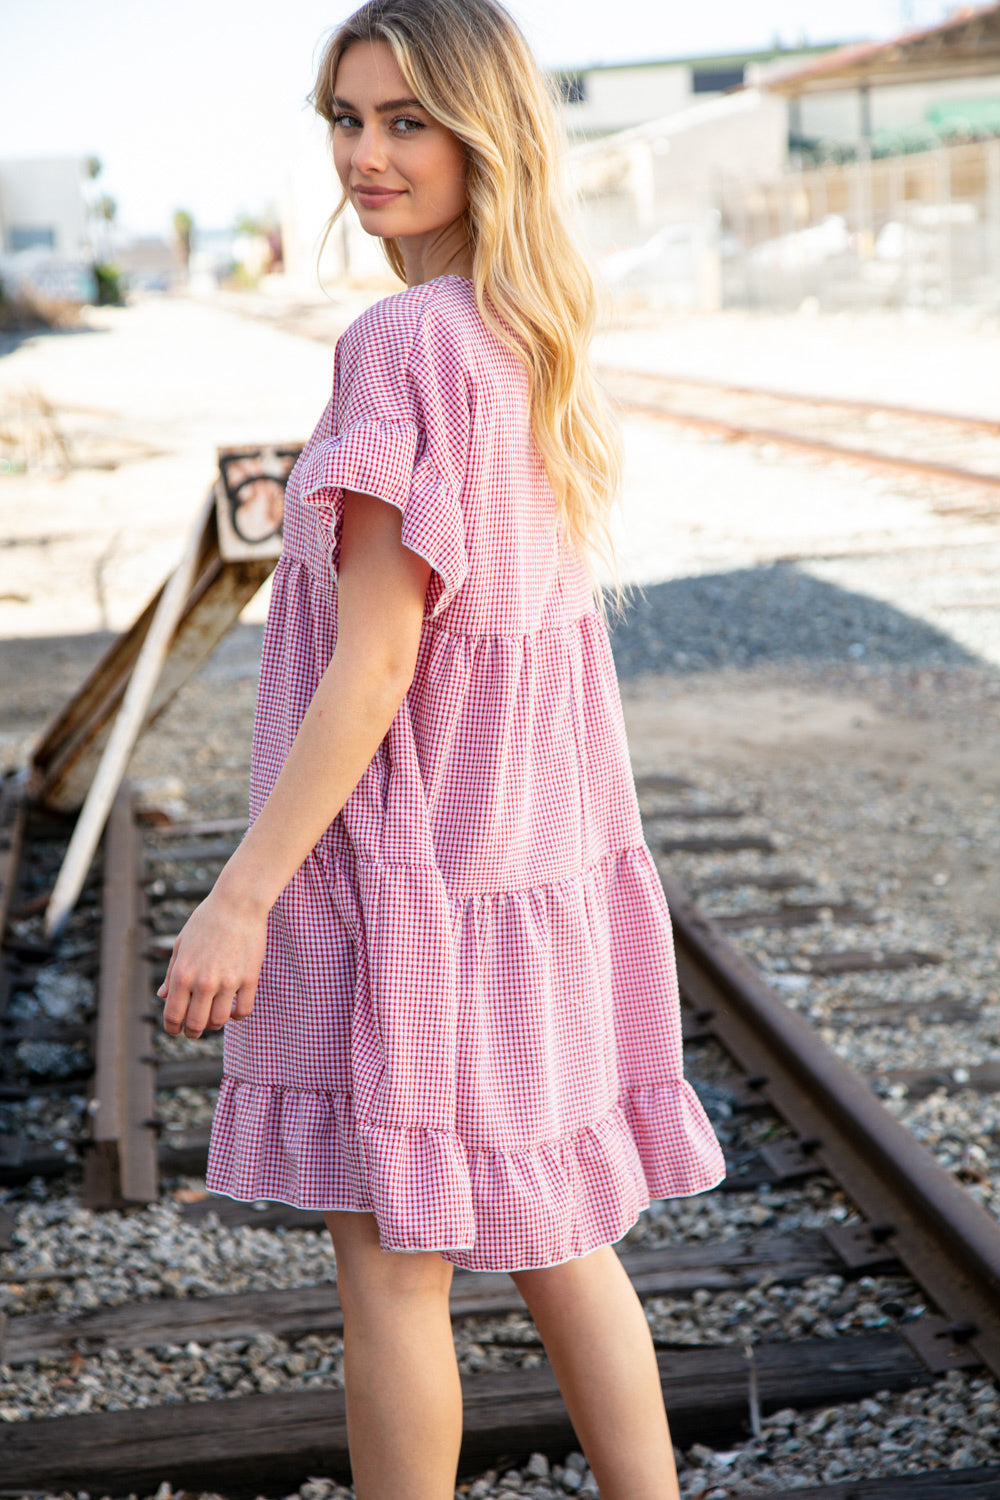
(981, 1078)
(261, 1215)
(860, 1012)
(21, 1159)
(121, 1165)
(13, 814)
(190, 1073)
(64, 760)
(720, 845)
(795, 914)
(862, 960)
(207, 851)
(692, 815)
(203, 829)
(287, 1436)
(764, 880)
(673, 1270)
(656, 783)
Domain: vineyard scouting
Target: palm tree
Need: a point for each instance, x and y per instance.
(184, 230)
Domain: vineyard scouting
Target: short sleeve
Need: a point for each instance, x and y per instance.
(401, 432)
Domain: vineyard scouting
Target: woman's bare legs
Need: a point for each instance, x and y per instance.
(404, 1401)
(597, 1338)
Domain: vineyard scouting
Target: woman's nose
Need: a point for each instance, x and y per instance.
(369, 154)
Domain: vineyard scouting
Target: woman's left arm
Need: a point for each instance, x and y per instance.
(381, 587)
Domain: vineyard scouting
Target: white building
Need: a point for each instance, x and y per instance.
(45, 246)
(42, 206)
(610, 97)
(943, 79)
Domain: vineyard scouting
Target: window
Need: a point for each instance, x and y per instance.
(715, 80)
(30, 237)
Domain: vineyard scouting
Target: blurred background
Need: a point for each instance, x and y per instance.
(723, 155)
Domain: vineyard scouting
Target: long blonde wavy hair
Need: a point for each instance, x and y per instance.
(471, 68)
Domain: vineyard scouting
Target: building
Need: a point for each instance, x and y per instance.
(44, 240)
(893, 193)
(884, 97)
(42, 206)
(610, 97)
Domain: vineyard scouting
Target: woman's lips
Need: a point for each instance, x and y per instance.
(371, 197)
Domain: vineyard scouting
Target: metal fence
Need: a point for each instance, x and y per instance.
(920, 230)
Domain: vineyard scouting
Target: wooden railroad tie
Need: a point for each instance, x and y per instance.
(288, 1435)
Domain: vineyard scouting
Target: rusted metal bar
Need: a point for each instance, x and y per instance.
(723, 427)
(948, 1243)
(801, 398)
(120, 1166)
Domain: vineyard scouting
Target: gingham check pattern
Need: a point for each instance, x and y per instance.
(468, 1019)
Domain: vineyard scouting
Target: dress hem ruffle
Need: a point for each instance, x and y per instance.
(557, 1200)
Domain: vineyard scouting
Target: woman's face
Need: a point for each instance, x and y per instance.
(403, 171)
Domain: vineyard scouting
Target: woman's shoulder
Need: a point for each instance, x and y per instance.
(435, 308)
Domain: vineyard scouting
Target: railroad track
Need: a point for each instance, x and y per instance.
(929, 444)
(879, 435)
(794, 1115)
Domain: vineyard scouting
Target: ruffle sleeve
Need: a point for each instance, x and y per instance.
(401, 433)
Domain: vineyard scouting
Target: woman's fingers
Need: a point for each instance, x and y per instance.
(164, 987)
(214, 967)
(243, 1003)
(197, 1011)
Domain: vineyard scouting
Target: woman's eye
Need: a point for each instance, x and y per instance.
(345, 122)
(406, 126)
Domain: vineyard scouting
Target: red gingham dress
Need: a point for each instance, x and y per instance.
(467, 1021)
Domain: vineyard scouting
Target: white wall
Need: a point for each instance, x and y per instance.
(45, 195)
(838, 117)
(619, 97)
(671, 169)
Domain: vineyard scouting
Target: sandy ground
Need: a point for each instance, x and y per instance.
(154, 389)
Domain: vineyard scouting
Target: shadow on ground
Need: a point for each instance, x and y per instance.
(39, 673)
(770, 614)
(740, 619)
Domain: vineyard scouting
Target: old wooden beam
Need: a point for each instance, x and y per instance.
(667, 1270)
(65, 759)
(286, 1436)
(120, 1166)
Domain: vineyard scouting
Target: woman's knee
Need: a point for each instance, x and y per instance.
(557, 1286)
(366, 1273)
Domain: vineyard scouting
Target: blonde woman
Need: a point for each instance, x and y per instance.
(442, 951)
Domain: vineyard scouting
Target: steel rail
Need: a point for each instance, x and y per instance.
(949, 1244)
(724, 427)
(609, 373)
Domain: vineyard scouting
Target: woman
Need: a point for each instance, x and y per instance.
(456, 1020)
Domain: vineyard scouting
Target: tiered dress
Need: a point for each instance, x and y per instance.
(467, 1021)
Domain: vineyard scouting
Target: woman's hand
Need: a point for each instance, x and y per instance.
(214, 967)
(381, 589)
